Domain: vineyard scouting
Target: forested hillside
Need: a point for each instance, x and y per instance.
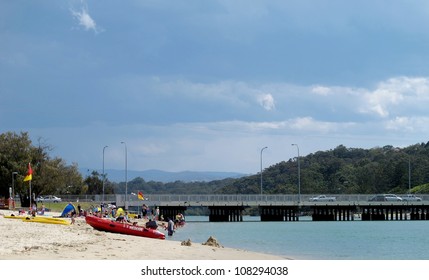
(339, 171)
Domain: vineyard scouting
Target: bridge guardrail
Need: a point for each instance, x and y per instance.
(208, 199)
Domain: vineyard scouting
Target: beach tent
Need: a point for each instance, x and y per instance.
(69, 208)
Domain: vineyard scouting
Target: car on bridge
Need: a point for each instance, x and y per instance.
(322, 198)
(411, 197)
(385, 197)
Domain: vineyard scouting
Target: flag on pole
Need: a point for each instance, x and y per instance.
(140, 196)
(29, 175)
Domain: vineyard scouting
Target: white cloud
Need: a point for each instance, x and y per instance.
(85, 20)
(408, 124)
(267, 101)
(321, 90)
(404, 91)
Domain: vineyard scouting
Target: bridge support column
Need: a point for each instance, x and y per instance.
(333, 212)
(226, 213)
(275, 213)
(390, 212)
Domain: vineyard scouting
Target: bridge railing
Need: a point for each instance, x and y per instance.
(211, 199)
(215, 199)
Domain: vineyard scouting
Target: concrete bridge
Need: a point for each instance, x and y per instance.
(250, 200)
(279, 207)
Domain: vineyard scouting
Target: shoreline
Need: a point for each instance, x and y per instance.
(79, 241)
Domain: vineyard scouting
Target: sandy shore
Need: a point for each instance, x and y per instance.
(37, 241)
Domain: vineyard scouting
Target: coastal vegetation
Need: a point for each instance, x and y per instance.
(341, 170)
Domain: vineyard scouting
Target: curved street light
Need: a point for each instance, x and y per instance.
(299, 175)
(261, 166)
(126, 179)
(103, 175)
(13, 188)
(409, 175)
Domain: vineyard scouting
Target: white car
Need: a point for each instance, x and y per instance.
(411, 197)
(48, 198)
(323, 198)
(385, 197)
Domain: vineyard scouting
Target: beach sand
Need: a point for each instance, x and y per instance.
(37, 241)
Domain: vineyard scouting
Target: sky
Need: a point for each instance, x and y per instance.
(199, 85)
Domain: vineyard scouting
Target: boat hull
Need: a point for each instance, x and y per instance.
(122, 228)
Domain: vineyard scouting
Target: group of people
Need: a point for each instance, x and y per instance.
(34, 211)
(154, 213)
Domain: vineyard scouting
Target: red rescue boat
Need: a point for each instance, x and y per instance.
(123, 228)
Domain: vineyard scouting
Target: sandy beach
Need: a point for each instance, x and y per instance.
(38, 241)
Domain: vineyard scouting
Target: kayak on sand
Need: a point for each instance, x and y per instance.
(122, 228)
(39, 219)
(47, 220)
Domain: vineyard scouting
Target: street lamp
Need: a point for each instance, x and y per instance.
(409, 175)
(261, 166)
(299, 175)
(13, 188)
(103, 175)
(126, 171)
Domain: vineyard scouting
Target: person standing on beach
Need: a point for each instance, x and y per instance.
(157, 214)
(144, 211)
(170, 227)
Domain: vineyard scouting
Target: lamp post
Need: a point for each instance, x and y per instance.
(299, 175)
(103, 175)
(261, 166)
(13, 188)
(126, 171)
(409, 175)
(13, 183)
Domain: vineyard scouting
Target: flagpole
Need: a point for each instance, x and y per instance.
(29, 183)
(28, 178)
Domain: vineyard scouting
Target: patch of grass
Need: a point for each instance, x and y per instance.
(59, 207)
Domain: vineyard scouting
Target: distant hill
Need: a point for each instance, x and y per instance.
(117, 176)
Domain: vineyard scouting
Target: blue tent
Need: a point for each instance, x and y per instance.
(69, 208)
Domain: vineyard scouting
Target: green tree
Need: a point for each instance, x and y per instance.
(50, 175)
(94, 184)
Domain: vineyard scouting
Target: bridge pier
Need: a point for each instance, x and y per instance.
(226, 213)
(333, 213)
(419, 213)
(393, 212)
(278, 213)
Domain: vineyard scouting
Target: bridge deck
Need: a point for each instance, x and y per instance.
(253, 200)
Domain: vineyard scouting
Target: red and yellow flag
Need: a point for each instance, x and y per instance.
(140, 196)
(29, 175)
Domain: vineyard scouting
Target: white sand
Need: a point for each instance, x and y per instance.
(37, 241)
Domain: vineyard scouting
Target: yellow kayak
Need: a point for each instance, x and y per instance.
(46, 220)
(16, 217)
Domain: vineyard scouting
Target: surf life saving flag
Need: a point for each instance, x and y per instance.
(29, 175)
(140, 196)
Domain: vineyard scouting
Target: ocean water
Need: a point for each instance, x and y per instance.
(308, 240)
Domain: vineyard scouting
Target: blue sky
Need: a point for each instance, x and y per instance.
(205, 85)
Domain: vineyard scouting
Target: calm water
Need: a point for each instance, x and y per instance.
(307, 240)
